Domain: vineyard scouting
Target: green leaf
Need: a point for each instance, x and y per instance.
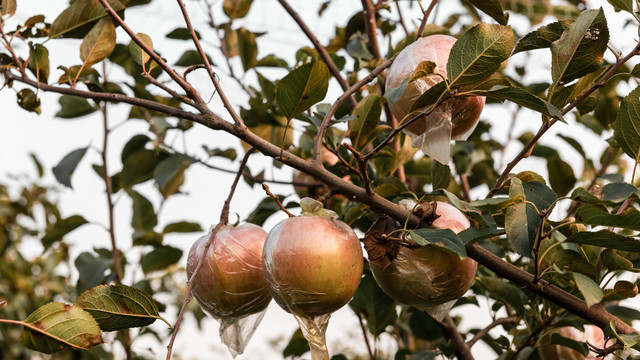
(144, 216)
(524, 98)
(117, 307)
(182, 227)
(139, 167)
(606, 239)
(169, 173)
(627, 339)
(73, 107)
(65, 168)
(39, 61)
(376, 307)
(75, 20)
(424, 68)
(516, 222)
(429, 97)
(297, 345)
(580, 347)
(247, 48)
(450, 240)
(91, 270)
(622, 5)
(160, 258)
(263, 211)
(236, 9)
(589, 289)
(56, 326)
(191, 57)
(618, 192)
(367, 113)
(99, 42)
(302, 88)
(502, 290)
(561, 176)
(492, 8)
(181, 34)
(581, 48)
(440, 175)
(496, 204)
(479, 53)
(543, 37)
(8, 7)
(137, 53)
(29, 101)
(472, 234)
(626, 129)
(613, 261)
(592, 215)
(229, 153)
(62, 228)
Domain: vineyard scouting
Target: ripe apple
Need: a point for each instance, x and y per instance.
(454, 119)
(428, 277)
(312, 264)
(591, 334)
(230, 282)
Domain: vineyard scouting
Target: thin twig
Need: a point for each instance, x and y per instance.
(224, 219)
(362, 167)
(548, 124)
(401, 19)
(265, 187)
(371, 27)
(365, 334)
(508, 320)
(167, 89)
(21, 66)
(425, 16)
(461, 349)
(603, 169)
(317, 145)
(466, 190)
(214, 79)
(321, 49)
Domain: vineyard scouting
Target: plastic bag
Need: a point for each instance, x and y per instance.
(230, 286)
(313, 265)
(455, 119)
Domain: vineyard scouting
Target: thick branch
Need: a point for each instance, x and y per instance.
(324, 54)
(461, 349)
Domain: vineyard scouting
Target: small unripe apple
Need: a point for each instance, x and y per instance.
(428, 277)
(230, 282)
(312, 264)
(454, 119)
(592, 334)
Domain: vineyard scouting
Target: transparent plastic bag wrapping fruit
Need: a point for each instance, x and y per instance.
(230, 286)
(455, 119)
(313, 265)
(428, 278)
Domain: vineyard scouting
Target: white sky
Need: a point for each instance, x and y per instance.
(51, 139)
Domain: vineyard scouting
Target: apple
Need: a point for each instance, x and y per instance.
(592, 334)
(231, 282)
(312, 264)
(454, 119)
(428, 277)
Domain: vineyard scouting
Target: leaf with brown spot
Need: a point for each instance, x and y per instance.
(56, 326)
(117, 307)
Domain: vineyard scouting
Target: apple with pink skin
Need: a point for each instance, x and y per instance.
(231, 282)
(427, 277)
(454, 119)
(592, 334)
(312, 264)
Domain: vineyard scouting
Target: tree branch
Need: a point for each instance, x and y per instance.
(236, 118)
(224, 219)
(317, 146)
(369, 12)
(425, 17)
(508, 320)
(461, 349)
(321, 50)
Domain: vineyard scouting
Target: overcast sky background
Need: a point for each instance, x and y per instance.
(51, 139)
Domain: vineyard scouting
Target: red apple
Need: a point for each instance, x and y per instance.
(312, 264)
(454, 119)
(428, 277)
(230, 282)
(591, 334)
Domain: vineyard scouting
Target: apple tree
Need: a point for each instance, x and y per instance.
(552, 253)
